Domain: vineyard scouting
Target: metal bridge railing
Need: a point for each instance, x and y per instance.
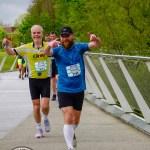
(120, 80)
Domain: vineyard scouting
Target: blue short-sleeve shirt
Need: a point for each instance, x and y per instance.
(71, 69)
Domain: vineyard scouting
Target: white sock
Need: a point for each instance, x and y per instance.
(68, 134)
(38, 125)
(45, 117)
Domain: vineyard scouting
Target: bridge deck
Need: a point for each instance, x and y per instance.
(97, 129)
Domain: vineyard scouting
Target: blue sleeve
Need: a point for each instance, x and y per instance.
(83, 47)
(55, 51)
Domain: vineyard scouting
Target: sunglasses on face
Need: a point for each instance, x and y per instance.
(64, 35)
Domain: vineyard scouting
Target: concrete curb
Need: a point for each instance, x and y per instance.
(129, 118)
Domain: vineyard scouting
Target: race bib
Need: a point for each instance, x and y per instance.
(40, 66)
(73, 70)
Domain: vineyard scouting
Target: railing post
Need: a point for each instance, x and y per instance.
(139, 98)
(3, 61)
(12, 67)
(123, 101)
(148, 65)
(88, 86)
(97, 92)
(102, 85)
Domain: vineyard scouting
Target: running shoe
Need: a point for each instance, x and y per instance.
(54, 98)
(47, 125)
(74, 141)
(39, 133)
(19, 75)
(70, 149)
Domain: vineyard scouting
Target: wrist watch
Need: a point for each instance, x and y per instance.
(5, 46)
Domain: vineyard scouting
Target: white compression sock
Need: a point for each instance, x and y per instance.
(45, 117)
(68, 134)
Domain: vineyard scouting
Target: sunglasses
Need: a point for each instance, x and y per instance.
(65, 35)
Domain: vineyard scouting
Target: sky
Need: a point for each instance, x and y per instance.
(10, 10)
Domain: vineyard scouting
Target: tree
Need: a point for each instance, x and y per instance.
(2, 35)
(124, 26)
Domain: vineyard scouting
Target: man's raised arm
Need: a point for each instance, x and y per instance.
(7, 47)
(52, 44)
(95, 41)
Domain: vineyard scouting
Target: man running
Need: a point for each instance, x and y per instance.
(71, 78)
(22, 67)
(39, 75)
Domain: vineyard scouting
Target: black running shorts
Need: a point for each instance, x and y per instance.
(71, 99)
(39, 87)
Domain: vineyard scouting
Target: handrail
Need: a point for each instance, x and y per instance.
(118, 56)
(3, 62)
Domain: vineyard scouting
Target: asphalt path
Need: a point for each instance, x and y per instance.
(15, 103)
(96, 131)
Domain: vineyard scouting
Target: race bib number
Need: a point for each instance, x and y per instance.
(40, 66)
(73, 70)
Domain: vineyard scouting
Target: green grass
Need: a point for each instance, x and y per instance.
(8, 62)
(2, 54)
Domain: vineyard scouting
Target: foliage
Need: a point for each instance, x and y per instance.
(2, 35)
(123, 26)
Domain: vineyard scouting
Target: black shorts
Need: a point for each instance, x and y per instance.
(54, 68)
(71, 99)
(39, 87)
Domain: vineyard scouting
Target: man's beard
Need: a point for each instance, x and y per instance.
(67, 44)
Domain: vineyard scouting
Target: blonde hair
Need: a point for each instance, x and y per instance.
(37, 26)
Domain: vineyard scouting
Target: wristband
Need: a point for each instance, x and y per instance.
(5, 46)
